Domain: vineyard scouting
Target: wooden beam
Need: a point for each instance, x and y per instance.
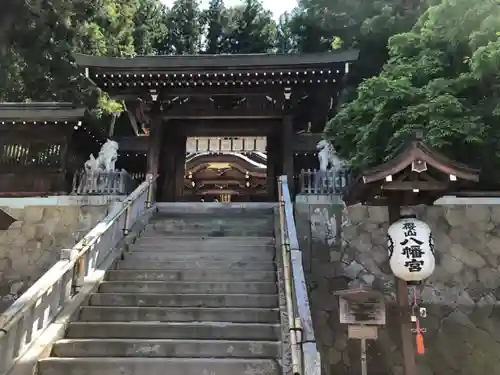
(227, 127)
(287, 149)
(133, 122)
(306, 142)
(133, 93)
(412, 185)
(40, 112)
(112, 123)
(222, 114)
(133, 144)
(247, 191)
(154, 145)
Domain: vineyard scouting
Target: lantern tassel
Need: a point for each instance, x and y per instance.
(420, 343)
(420, 337)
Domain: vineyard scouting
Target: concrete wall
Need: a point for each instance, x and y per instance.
(44, 226)
(349, 249)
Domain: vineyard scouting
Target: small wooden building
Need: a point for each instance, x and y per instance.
(42, 145)
(283, 98)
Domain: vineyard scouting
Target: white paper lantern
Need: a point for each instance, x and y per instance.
(411, 249)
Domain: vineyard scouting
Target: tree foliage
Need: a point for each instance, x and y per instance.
(442, 77)
(429, 64)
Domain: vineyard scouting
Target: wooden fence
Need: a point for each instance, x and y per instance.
(314, 181)
(103, 183)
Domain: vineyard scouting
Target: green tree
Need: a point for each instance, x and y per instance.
(39, 64)
(184, 24)
(323, 25)
(285, 39)
(255, 29)
(215, 20)
(442, 77)
(150, 27)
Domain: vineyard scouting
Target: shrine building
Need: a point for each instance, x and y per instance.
(213, 127)
(220, 125)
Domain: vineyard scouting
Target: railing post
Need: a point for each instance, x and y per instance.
(149, 197)
(128, 212)
(79, 276)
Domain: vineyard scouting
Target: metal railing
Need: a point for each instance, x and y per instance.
(102, 183)
(305, 355)
(29, 316)
(316, 182)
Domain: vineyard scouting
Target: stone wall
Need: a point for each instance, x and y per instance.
(32, 244)
(463, 323)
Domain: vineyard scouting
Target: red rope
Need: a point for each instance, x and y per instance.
(420, 336)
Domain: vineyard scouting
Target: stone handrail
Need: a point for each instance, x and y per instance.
(27, 318)
(310, 361)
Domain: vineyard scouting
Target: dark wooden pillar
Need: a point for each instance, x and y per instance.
(173, 163)
(180, 165)
(154, 145)
(403, 303)
(273, 159)
(167, 165)
(154, 150)
(287, 151)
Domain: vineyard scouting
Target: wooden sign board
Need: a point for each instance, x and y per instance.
(362, 332)
(226, 145)
(260, 144)
(230, 144)
(191, 145)
(213, 144)
(249, 144)
(202, 145)
(237, 144)
(366, 312)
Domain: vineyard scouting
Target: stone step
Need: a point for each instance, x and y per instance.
(217, 233)
(166, 348)
(154, 330)
(157, 366)
(179, 314)
(221, 216)
(190, 275)
(188, 287)
(211, 222)
(199, 246)
(141, 251)
(185, 300)
(247, 209)
(181, 265)
(209, 256)
(202, 243)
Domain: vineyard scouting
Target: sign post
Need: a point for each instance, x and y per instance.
(364, 311)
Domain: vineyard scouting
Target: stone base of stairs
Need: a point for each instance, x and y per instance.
(196, 295)
(158, 366)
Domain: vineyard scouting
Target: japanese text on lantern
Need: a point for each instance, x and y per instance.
(412, 248)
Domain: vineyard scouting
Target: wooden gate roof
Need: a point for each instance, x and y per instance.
(40, 112)
(215, 62)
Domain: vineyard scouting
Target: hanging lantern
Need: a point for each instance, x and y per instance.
(411, 249)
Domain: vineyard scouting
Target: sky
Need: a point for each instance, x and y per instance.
(278, 7)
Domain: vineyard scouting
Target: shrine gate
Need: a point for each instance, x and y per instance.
(227, 98)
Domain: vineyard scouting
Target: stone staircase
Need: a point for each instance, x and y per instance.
(195, 295)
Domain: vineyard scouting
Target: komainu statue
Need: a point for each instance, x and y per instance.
(329, 166)
(108, 155)
(92, 179)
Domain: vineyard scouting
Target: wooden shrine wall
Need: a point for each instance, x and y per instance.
(38, 159)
